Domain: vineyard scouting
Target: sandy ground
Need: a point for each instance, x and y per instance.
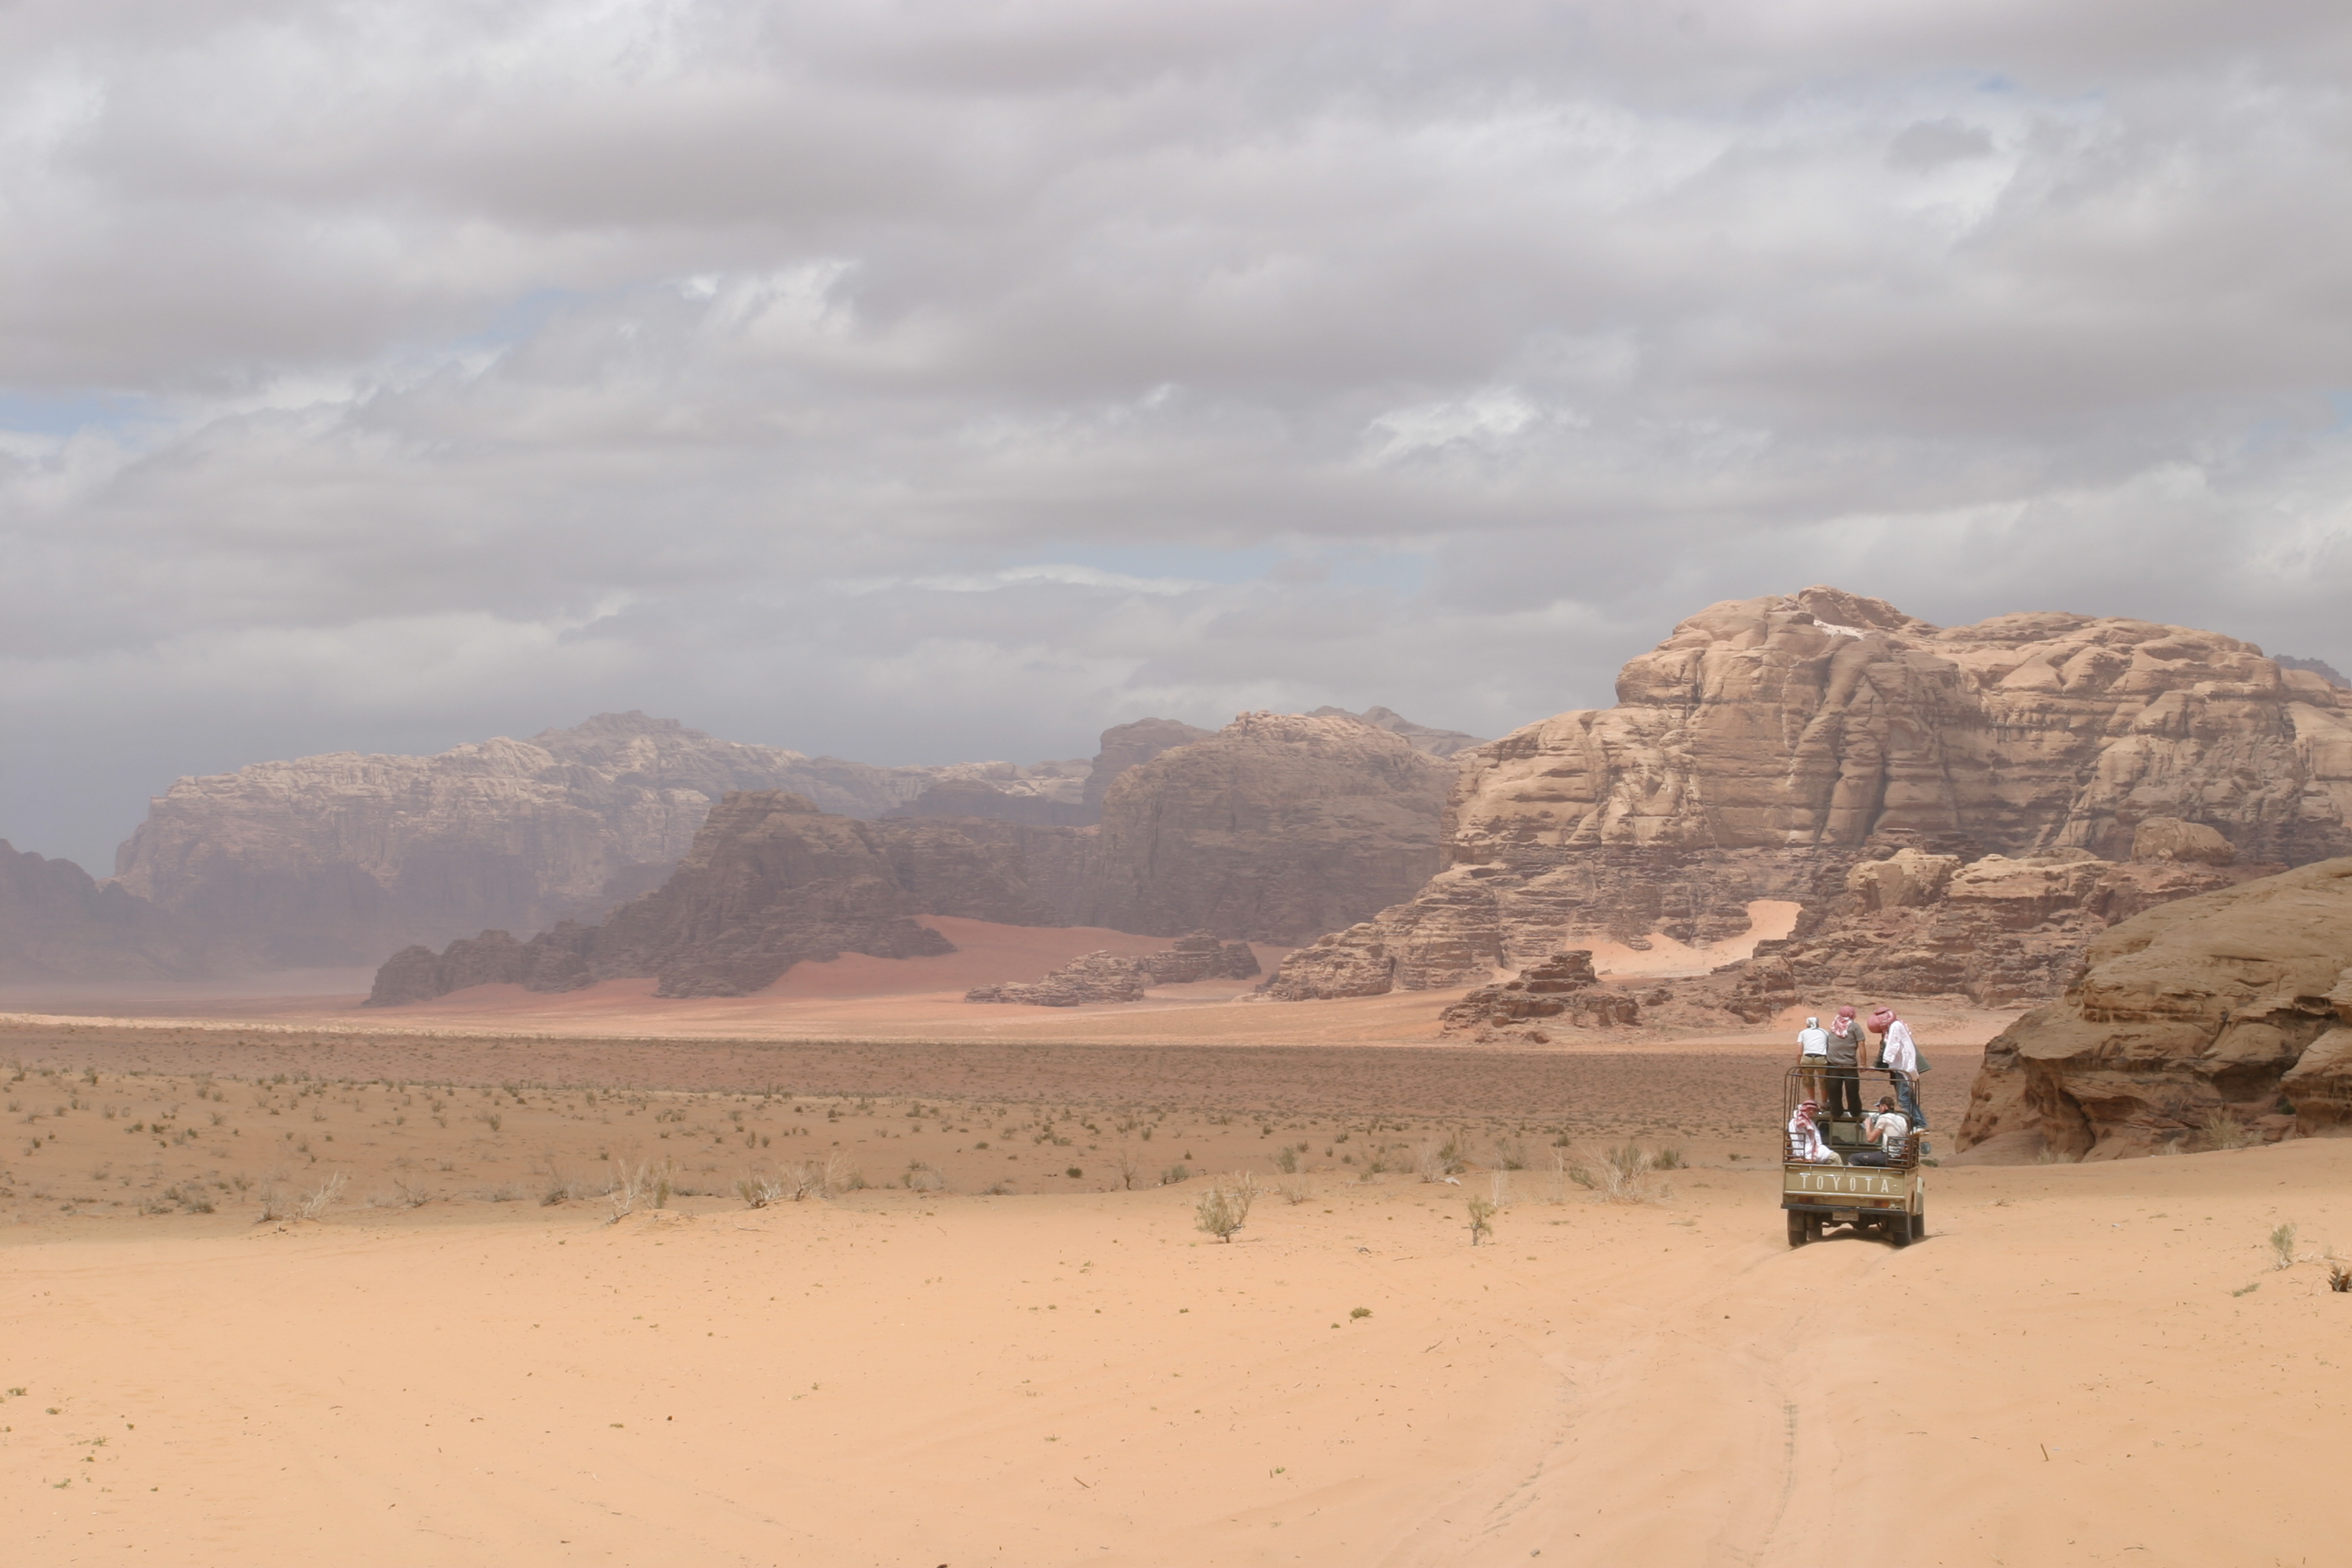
(2081, 1364)
(468, 1355)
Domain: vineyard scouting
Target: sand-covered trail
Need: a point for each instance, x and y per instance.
(2070, 1370)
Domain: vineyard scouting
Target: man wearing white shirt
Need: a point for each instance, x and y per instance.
(1813, 1057)
(1900, 1057)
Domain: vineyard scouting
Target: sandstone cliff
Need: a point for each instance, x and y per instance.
(1277, 827)
(340, 858)
(1125, 746)
(1436, 742)
(56, 923)
(2199, 1023)
(1762, 748)
(768, 882)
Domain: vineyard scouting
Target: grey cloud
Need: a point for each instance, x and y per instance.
(922, 384)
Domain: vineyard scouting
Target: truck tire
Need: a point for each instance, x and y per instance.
(1918, 1228)
(1800, 1232)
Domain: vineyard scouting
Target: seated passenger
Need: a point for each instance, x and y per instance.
(1889, 1128)
(1805, 1144)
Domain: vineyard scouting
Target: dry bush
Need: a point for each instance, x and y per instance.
(321, 1198)
(922, 1178)
(2283, 1243)
(1296, 1190)
(1224, 1208)
(1130, 1165)
(1482, 1218)
(1174, 1175)
(2339, 1277)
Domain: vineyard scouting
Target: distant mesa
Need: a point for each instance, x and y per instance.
(56, 923)
(341, 857)
(2318, 666)
(1108, 977)
(1436, 742)
(1769, 744)
(1261, 831)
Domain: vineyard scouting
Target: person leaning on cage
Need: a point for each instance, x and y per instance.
(1845, 1067)
(1813, 1057)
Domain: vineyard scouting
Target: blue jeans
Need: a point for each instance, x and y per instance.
(1906, 1091)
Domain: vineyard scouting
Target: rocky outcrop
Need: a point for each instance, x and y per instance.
(1562, 988)
(1277, 827)
(1997, 931)
(340, 858)
(2207, 1021)
(1109, 977)
(1762, 749)
(56, 923)
(771, 881)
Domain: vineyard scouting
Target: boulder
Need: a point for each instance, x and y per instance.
(2206, 1012)
(2169, 838)
(1108, 977)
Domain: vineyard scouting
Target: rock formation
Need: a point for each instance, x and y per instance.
(1756, 752)
(2214, 1014)
(1108, 977)
(769, 881)
(1562, 987)
(1277, 827)
(56, 923)
(340, 858)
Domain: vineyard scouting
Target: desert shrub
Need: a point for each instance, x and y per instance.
(2339, 1277)
(2283, 1243)
(1296, 1190)
(1286, 1159)
(924, 1178)
(1174, 1174)
(758, 1191)
(1482, 1218)
(1224, 1208)
(1669, 1159)
(2223, 1130)
(1130, 1167)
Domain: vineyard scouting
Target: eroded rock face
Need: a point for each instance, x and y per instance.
(1436, 742)
(1109, 977)
(1768, 742)
(768, 882)
(56, 923)
(2223, 1006)
(1278, 827)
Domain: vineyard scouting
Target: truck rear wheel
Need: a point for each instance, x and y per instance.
(1918, 1228)
(1800, 1232)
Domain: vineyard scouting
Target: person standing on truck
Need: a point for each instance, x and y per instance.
(1845, 1063)
(1813, 1049)
(1899, 1054)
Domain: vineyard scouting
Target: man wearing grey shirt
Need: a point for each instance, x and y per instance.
(1845, 1060)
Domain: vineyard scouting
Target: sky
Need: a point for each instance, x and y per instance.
(949, 379)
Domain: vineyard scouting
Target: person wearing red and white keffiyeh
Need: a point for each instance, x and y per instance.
(1805, 1143)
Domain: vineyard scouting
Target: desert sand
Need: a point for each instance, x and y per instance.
(467, 1355)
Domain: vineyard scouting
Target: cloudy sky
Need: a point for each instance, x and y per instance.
(949, 379)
